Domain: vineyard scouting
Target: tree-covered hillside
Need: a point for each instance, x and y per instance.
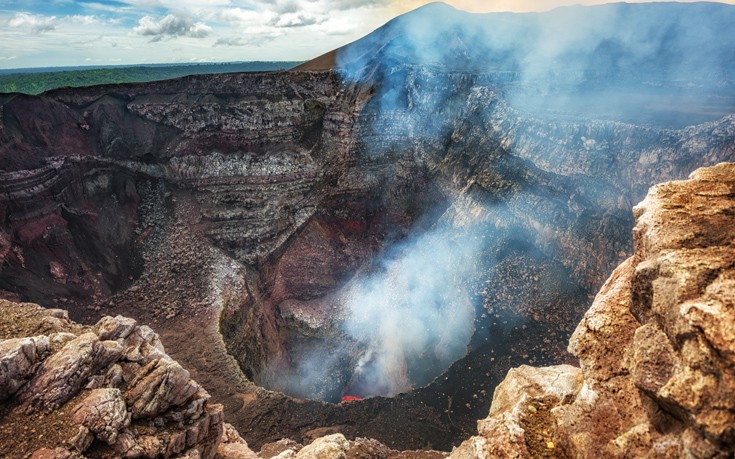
(36, 82)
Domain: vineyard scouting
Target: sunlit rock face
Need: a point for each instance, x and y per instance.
(410, 230)
(108, 389)
(655, 347)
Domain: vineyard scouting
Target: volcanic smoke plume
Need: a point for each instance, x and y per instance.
(399, 325)
(412, 317)
(438, 78)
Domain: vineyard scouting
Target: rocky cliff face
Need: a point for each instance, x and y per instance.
(406, 227)
(234, 208)
(655, 347)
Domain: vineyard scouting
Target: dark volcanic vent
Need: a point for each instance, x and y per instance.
(388, 330)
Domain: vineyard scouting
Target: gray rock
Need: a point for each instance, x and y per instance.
(233, 446)
(330, 447)
(157, 387)
(112, 328)
(59, 339)
(143, 346)
(19, 359)
(64, 373)
(104, 413)
(82, 440)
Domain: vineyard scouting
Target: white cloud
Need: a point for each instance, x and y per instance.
(107, 8)
(85, 20)
(182, 4)
(219, 30)
(296, 20)
(230, 41)
(244, 17)
(336, 28)
(249, 39)
(354, 4)
(170, 26)
(35, 23)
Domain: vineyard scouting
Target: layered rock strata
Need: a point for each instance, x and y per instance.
(655, 379)
(655, 349)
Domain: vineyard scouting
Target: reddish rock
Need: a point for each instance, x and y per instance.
(56, 453)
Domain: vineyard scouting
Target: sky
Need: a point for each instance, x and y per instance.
(49, 33)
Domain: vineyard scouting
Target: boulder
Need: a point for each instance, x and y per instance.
(330, 447)
(19, 359)
(104, 413)
(157, 387)
(64, 373)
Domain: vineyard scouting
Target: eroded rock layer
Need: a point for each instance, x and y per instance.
(655, 348)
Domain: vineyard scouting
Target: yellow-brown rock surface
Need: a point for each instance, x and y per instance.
(656, 347)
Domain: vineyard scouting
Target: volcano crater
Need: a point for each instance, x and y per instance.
(267, 225)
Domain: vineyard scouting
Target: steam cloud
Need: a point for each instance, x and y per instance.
(401, 325)
(412, 317)
(615, 60)
(662, 63)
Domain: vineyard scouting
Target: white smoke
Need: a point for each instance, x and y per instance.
(413, 317)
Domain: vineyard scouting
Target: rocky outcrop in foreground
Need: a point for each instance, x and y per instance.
(657, 347)
(108, 390)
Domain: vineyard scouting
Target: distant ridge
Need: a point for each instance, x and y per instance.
(664, 63)
(327, 61)
(39, 80)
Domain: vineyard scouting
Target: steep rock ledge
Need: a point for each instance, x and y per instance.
(656, 347)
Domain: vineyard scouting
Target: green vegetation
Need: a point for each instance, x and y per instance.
(36, 82)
